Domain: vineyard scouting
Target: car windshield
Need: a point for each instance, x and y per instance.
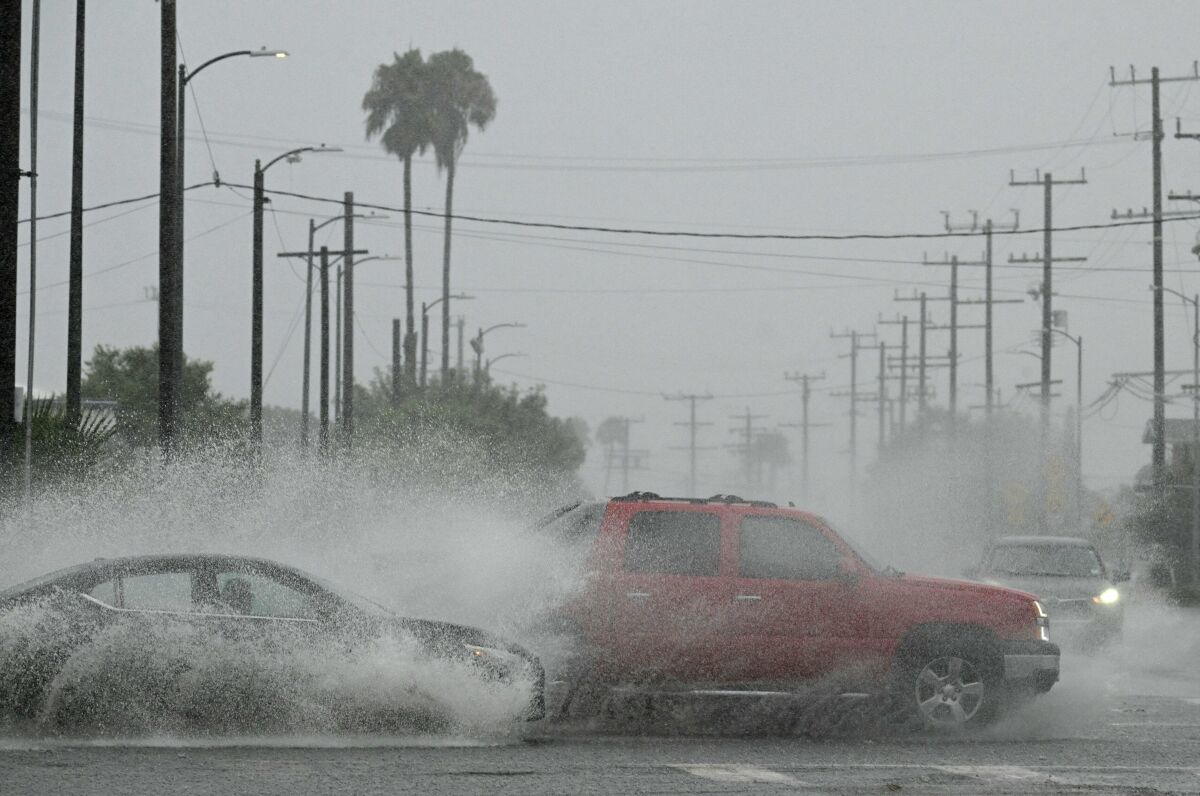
(1071, 561)
(855, 546)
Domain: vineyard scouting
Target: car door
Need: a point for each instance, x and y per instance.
(796, 600)
(670, 598)
(254, 600)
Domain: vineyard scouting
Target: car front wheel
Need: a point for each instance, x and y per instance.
(951, 689)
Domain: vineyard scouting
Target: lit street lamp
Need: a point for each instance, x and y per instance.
(180, 183)
(256, 290)
(425, 308)
(477, 344)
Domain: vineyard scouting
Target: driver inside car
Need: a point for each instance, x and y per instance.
(237, 594)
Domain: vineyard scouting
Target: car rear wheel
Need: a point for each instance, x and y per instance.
(951, 688)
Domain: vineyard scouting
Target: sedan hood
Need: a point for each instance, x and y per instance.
(1052, 586)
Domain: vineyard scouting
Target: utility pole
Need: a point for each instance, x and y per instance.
(347, 416)
(168, 230)
(74, 403)
(324, 399)
(337, 348)
(954, 326)
(395, 362)
(1046, 289)
(855, 337)
(903, 324)
(989, 226)
(747, 447)
(805, 381)
(626, 463)
(308, 258)
(1159, 456)
(692, 425)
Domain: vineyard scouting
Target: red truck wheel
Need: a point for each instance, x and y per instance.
(952, 688)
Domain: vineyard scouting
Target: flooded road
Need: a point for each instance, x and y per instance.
(1127, 721)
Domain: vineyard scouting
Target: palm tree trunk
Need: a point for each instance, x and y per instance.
(446, 273)
(410, 328)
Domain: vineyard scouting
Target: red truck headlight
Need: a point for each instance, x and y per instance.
(1043, 621)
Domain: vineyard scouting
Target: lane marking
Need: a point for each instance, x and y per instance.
(998, 773)
(735, 773)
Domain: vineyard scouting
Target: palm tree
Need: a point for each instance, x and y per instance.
(397, 107)
(459, 97)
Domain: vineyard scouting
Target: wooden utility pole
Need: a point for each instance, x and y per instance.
(805, 380)
(903, 324)
(73, 396)
(347, 415)
(395, 362)
(746, 429)
(10, 181)
(1046, 289)
(692, 424)
(1159, 455)
(324, 396)
(988, 301)
(168, 229)
(855, 346)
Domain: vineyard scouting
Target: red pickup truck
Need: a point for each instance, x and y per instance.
(745, 594)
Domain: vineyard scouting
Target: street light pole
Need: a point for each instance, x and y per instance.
(425, 308)
(1078, 341)
(477, 345)
(256, 287)
(176, 352)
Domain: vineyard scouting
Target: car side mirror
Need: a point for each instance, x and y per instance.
(1121, 576)
(847, 573)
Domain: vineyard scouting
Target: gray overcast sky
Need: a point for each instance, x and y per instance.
(785, 117)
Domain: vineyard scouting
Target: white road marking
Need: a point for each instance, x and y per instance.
(1001, 773)
(734, 773)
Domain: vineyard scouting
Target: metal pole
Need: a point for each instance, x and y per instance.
(395, 361)
(256, 304)
(1159, 456)
(853, 409)
(692, 449)
(804, 437)
(921, 402)
(953, 343)
(1079, 436)
(34, 58)
(337, 349)
(10, 178)
(308, 291)
(988, 379)
(1195, 439)
(461, 324)
(347, 415)
(324, 379)
(75, 267)
(168, 228)
(177, 298)
(424, 343)
(882, 393)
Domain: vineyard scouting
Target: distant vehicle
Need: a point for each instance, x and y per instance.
(1068, 577)
(737, 594)
(238, 597)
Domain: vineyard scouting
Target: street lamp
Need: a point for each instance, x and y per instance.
(1078, 341)
(487, 367)
(340, 333)
(180, 124)
(256, 289)
(425, 308)
(477, 344)
(1195, 452)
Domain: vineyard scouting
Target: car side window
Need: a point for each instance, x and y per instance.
(158, 591)
(674, 543)
(255, 594)
(107, 592)
(785, 548)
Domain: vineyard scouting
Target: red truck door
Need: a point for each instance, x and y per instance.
(797, 599)
(669, 597)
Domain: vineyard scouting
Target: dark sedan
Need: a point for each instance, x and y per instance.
(266, 614)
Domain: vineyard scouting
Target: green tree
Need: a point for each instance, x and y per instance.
(397, 107)
(130, 378)
(505, 429)
(459, 97)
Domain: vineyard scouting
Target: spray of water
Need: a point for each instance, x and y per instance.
(439, 533)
